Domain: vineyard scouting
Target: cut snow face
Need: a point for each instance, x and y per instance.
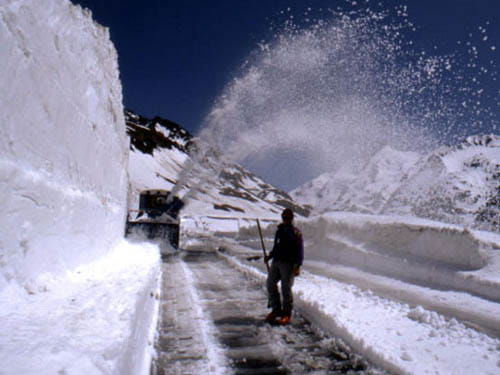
(63, 153)
(159, 159)
(454, 184)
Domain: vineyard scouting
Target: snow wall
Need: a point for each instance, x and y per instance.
(63, 146)
(416, 250)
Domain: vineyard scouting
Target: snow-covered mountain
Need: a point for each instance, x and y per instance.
(455, 184)
(160, 153)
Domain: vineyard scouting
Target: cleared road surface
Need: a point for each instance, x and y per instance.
(211, 322)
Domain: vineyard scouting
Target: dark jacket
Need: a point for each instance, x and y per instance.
(288, 245)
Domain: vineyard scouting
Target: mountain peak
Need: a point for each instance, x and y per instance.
(147, 135)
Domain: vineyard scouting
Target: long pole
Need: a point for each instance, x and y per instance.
(263, 245)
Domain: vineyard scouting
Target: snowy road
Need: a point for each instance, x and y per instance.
(371, 316)
(211, 322)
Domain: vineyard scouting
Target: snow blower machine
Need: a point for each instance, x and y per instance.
(157, 216)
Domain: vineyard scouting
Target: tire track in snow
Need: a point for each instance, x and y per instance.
(185, 342)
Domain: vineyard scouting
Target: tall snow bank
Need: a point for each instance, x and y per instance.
(63, 147)
(418, 250)
(403, 237)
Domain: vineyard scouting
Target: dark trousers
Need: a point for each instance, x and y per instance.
(280, 271)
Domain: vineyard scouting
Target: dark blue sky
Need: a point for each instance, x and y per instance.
(176, 56)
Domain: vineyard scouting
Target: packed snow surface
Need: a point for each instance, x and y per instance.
(187, 330)
(229, 336)
(402, 338)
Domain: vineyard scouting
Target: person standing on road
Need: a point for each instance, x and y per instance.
(287, 255)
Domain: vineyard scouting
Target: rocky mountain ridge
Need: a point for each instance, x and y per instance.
(160, 152)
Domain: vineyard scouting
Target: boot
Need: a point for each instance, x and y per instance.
(285, 320)
(271, 317)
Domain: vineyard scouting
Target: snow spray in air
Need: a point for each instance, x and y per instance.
(330, 95)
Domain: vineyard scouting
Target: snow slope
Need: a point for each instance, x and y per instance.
(457, 184)
(160, 152)
(74, 297)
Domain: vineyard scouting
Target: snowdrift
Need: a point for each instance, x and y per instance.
(95, 319)
(242, 230)
(397, 237)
